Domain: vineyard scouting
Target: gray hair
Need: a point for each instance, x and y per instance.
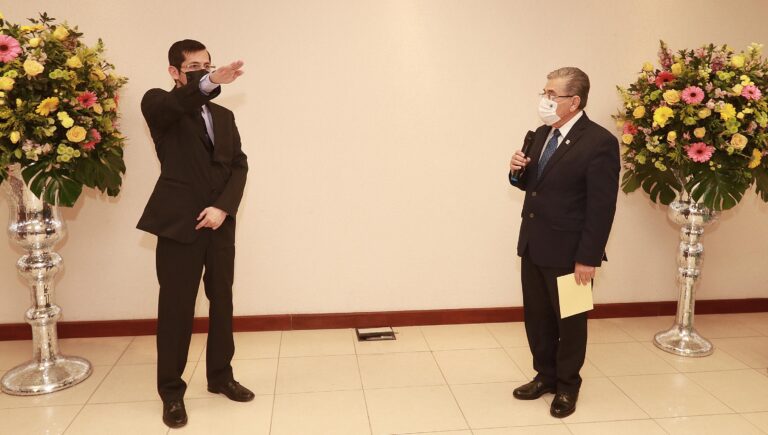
(577, 82)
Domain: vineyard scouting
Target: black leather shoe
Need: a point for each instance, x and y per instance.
(233, 390)
(174, 414)
(563, 405)
(532, 390)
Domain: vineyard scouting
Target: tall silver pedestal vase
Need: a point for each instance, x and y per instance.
(682, 338)
(37, 227)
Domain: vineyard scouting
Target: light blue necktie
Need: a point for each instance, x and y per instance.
(548, 151)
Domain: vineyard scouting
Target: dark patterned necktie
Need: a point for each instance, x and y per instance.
(208, 142)
(548, 151)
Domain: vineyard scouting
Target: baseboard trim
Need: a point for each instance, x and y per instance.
(285, 322)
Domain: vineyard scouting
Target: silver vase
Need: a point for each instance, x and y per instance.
(37, 227)
(682, 338)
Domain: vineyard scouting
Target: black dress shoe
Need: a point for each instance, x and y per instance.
(233, 390)
(563, 405)
(174, 414)
(532, 390)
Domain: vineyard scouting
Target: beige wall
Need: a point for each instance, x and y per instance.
(379, 134)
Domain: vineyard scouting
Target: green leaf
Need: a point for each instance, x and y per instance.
(719, 189)
(34, 177)
(630, 181)
(761, 182)
(661, 186)
(68, 191)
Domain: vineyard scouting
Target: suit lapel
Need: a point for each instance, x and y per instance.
(566, 145)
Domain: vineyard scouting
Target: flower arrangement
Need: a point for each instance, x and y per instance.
(697, 127)
(58, 111)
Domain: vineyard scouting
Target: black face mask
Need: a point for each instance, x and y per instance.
(195, 76)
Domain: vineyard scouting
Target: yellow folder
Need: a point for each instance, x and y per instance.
(574, 298)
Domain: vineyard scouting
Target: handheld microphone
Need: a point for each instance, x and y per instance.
(527, 143)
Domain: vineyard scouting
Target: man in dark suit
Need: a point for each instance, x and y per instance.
(570, 179)
(192, 211)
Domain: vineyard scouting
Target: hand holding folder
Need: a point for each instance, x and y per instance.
(574, 298)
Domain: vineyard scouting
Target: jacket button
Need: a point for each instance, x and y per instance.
(533, 194)
(531, 215)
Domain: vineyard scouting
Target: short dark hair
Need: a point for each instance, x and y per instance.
(577, 82)
(179, 50)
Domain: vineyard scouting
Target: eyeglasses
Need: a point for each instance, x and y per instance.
(197, 67)
(552, 96)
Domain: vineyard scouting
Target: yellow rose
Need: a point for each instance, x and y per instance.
(737, 61)
(15, 136)
(639, 112)
(74, 62)
(677, 68)
(700, 132)
(672, 96)
(60, 33)
(647, 67)
(740, 115)
(627, 139)
(6, 83)
(671, 136)
(34, 42)
(32, 67)
(756, 157)
(737, 89)
(727, 111)
(47, 106)
(738, 141)
(97, 108)
(661, 115)
(76, 134)
(705, 112)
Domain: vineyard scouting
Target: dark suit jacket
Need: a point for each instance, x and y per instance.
(191, 177)
(568, 212)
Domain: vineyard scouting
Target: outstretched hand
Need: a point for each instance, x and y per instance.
(227, 73)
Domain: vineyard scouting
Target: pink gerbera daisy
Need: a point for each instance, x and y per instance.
(700, 152)
(9, 48)
(693, 95)
(751, 92)
(664, 77)
(87, 99)
(95, 137)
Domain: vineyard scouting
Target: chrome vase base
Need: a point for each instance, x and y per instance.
(37, 226)
(33, 377)
(683, 342)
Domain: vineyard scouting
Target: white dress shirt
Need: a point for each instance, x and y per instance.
(206, 87)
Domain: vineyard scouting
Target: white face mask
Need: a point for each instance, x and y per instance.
(548, 111)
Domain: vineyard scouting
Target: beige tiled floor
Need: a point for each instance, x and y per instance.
(453, 379)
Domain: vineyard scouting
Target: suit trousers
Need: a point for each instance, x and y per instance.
(558, 345)
(179, 268)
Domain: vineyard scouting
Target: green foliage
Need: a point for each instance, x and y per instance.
(59, 111)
